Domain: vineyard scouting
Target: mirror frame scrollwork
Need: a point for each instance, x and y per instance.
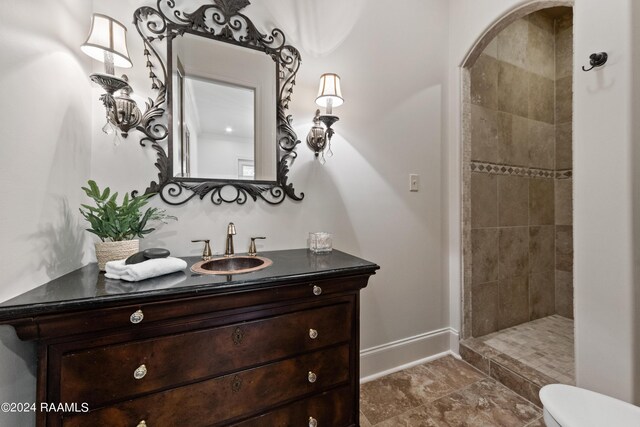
(220, 21)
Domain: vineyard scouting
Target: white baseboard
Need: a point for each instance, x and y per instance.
(454, 342)
(378, 361)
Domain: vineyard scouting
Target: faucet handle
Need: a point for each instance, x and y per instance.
(252, 246)
(206, 254)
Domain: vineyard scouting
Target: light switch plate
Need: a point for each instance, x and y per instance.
(414, 182)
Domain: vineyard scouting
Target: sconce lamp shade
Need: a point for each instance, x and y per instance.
(329, 92)
(110, 36)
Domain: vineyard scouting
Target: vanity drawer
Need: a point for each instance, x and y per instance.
(213, 401)
(107, 374)
(135, 318)
(330, 409)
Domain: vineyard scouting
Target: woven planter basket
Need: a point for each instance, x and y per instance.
(113, 251)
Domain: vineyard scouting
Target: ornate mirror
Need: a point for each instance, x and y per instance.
(218, 122)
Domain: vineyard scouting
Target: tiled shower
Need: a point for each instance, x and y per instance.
(520, 182)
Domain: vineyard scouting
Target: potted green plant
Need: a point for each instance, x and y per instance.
(118, 225)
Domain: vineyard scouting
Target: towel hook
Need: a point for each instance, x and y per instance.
(596, 60)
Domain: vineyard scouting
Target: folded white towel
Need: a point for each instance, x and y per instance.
(144, 270)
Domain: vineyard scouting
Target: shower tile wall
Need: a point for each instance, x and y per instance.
(564, 161)
(517, 249)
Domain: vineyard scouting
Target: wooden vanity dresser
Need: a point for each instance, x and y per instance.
(276, 347)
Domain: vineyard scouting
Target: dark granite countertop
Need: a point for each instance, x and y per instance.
(88, 288)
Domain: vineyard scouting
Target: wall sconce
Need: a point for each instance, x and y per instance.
(329, 96)
(107, 42)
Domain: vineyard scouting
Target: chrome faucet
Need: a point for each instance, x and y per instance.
(231, 231)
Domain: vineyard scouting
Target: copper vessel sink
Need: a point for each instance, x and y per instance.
(231, 265)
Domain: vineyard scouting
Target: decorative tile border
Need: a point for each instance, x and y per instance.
(564, 174)
(498, 169)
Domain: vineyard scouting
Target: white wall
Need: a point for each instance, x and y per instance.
(44, 159)
(603, 169)
(604, 216)
(635, 15)
(391, 125)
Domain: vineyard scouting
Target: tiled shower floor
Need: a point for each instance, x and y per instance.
(526, 357)
(545, 344)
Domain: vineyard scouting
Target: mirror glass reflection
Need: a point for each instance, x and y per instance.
(224, 111)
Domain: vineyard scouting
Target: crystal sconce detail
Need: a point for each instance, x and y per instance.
(329, 96)
(107, 42)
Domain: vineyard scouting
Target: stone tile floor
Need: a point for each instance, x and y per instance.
(544, 344)
(444, 392)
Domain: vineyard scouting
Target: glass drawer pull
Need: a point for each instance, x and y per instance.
(140, 372)
(136, 317)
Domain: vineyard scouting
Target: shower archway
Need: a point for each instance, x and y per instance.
(512, 113)
(472, 56)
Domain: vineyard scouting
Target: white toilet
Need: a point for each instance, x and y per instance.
(568, 406)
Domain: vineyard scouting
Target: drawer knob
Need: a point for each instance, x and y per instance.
(144, 424)
(136, 317)
(313, 334)
(317, 290)
(312, 377)
(313, 422)
(140, 372)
